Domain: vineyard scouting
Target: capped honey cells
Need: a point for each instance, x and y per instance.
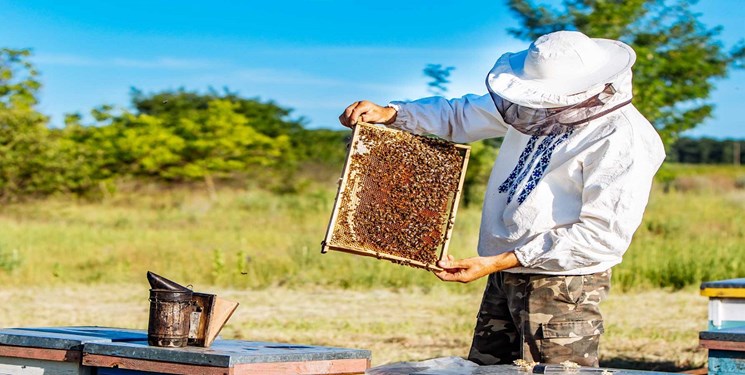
(397, 196)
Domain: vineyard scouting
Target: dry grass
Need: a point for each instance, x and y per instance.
(648, 330)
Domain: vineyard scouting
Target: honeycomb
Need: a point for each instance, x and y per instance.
(397, 196)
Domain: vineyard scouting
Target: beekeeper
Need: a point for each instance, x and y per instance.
(565, 195)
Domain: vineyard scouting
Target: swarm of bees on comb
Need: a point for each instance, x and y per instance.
(397, 196)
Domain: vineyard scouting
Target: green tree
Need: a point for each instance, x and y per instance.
(82, 157)
(705, 151)
(301, 148)
(678, 57)
(24, 137)
(266, 117)
(189, 143)
(174, 137)
(170, 136)
(322, 146)
(222, 140)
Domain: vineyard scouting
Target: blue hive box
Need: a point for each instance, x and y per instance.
(54, 350)
(726, 350)
(114, 351)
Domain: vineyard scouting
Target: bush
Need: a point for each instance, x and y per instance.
(9, 260)
(698, 184)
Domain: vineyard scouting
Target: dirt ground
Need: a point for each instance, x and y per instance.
(653, 330)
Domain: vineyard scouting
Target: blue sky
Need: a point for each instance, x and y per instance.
(315, 56)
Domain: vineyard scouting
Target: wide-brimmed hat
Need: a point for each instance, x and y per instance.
(559, 69)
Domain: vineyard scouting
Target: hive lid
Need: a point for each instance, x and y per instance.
(736, 334)
(66, 338)
(732, 288)
(225, 353)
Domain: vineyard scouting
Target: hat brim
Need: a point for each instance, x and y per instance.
(507, 78)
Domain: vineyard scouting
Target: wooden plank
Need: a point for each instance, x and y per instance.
(58, 355)
(335, 367)
(222, 310)
(159, 367)
(214, 313)
(737, 346)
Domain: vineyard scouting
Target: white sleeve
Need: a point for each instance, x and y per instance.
(462, 120)
(617, 183)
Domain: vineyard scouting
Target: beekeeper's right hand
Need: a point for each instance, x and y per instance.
(367, 111)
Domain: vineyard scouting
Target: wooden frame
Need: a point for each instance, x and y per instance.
(328, 244)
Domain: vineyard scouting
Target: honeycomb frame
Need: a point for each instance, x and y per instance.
(446, 198)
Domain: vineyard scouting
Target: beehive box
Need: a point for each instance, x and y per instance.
(726, 302)
(54, 350)
(235, 357)
(397, 197)
(726, 350)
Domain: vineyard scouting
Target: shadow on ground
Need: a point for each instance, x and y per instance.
(636, 364)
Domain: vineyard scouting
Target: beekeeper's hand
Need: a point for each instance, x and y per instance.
(367, 111)
(469, 269)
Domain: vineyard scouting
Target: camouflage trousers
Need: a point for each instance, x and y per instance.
(540, 318)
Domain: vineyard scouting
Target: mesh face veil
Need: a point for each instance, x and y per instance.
(546, 121)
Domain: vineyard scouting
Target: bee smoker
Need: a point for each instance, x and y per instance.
(170, 313)
(180, 317)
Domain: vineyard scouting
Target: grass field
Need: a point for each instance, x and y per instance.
(256, 239)
(66, 262)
